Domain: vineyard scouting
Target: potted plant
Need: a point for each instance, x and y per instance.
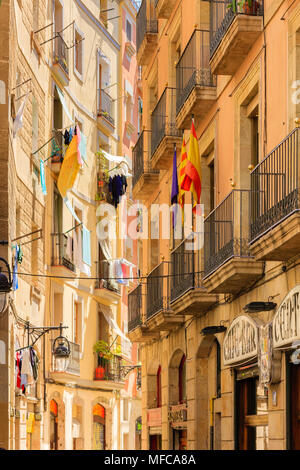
(105, 354)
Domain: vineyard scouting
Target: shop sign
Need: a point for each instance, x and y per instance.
(178, 414)
(286, 323)
(241, 341)
(268, 359)
(154, 417)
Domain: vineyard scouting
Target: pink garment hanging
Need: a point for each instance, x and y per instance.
(78, 145)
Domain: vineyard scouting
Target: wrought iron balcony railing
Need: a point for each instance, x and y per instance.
(141, 158)
(163, 118)
(223, 12)
(106, 106)
(185, 268)
(61, 53)
(104, 281)
(146, 21)
(275, 186)
(226, 231)
(157, 290)
(193, 67)
(135, 308)
(109, 369)
(62, 251)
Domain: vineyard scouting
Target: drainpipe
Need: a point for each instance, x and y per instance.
(211, 427)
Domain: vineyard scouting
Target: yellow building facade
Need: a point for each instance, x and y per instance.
(65, 61)
(218, 325)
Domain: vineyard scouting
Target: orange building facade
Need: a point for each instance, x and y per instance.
(218, 326)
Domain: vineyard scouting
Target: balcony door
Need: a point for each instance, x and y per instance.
(295, 406)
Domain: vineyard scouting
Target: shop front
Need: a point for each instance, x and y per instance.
(178, 423)
(286, 338)
(242, 354)
(154, 428)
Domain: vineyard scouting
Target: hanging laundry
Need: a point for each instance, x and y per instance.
(34, 363)
(67, 138)
(18, 122)
(69, 169)
(43, 181)
(78, 133)
(56, 154)
(86, 246)
(117, 187)
(26, 365)
(20, 255)
(83, 147)
(18, 368)
(15, 269)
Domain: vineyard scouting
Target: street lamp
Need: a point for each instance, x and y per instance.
(5, 286)
(61, 352)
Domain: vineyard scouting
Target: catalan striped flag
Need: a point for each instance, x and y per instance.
(192, 170)
(183, 163)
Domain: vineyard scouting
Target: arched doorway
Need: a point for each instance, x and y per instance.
(208, 389)
(53, 425)
(99, 425)
(178, 401)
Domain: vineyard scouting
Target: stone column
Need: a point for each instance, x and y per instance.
(68, 401)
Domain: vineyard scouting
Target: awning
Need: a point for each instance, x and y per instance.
(109, 316)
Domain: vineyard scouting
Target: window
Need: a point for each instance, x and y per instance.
(158, 388)
(182, 380)
(78, 54)
(78, 322)
(128, 30)
(125, 410)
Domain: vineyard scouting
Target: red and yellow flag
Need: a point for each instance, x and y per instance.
(69, 168)
(182, 165)
(192, 170)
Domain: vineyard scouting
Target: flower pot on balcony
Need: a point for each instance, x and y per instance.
(99, 373)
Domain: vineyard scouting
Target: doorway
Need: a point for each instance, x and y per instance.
(294, 408)
(251, 411)
(155, 442)
(179, 439)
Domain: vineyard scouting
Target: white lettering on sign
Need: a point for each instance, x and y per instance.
(286, 323)
(241, 341)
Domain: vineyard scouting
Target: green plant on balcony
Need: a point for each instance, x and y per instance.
(247, 6)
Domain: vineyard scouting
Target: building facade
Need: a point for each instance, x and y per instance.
(60, 76)
(218, 326)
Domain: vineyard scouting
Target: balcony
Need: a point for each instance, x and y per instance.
(159, 315)
(105, 109)
(106, 288)
(146, 31)
(57, 149)
(275, 205)
(196, 86)
(63, 252)
(164, 133)
(144, 177)
(235, 26)
(60, 62)
(137, 331)
(109, 370)
(164, 8)
(188, 295)
(228, 263)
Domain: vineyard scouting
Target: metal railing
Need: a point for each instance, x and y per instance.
(103, 281)
(163, 119)
(106, 106)
(146, 21)
(275, 186)
(185, 269)
(135, 308)
(223, 12)
(141, 157)
(226, 231)
(193, 67)
(62, 251)
(157, 290)
(61, 53)
(112, 370)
